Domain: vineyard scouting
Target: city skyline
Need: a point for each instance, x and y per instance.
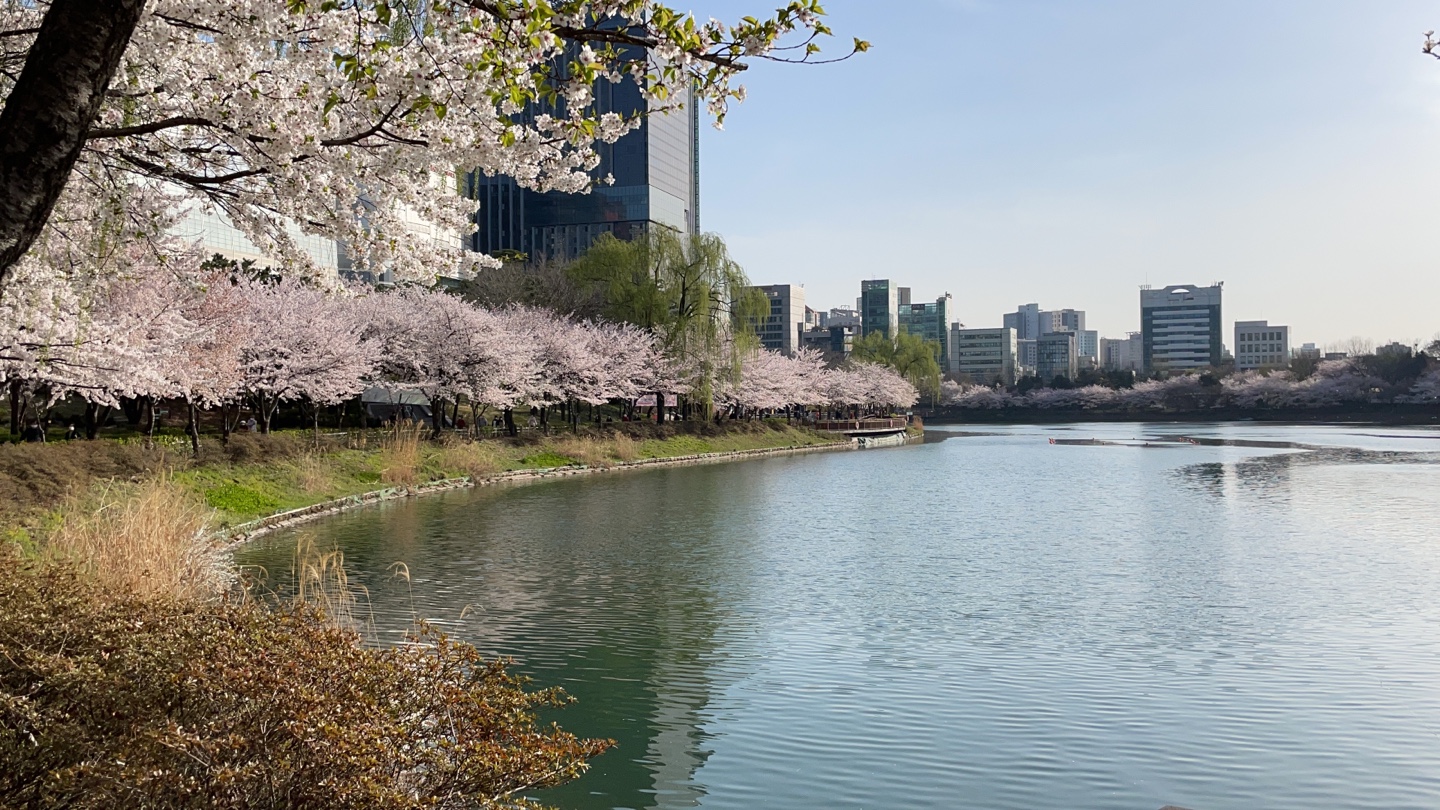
(1290, 154)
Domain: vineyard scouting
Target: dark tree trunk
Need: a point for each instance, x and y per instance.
(437, 417)
(93, 420)
(510, 422)
(14, 408)
(49, 111)
(193, 427)
(659, 407)
(150, 421)
(225, 422)
(134, 410)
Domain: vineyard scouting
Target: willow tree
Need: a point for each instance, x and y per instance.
(688, 291)
(917, 359)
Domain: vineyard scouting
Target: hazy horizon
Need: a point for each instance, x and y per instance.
(1067, 153)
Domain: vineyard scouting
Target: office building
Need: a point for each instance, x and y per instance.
(902, 296)
(1123, 354)
(1180, 325)
(1055, 356)
(930, 322)
(1029, 322)
(656, 171)
(1025, 357)
(215, 234)
(843, 316)
(879, 308)
(1309, 351)
(986, 356)
(834, 343)
(780, 331)
(1394, 350)
(1260, 344)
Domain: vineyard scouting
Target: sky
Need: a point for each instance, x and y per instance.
(1067, 152)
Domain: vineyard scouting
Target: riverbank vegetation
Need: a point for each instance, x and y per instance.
(1398, 379)
(115, 698)
(49, 490)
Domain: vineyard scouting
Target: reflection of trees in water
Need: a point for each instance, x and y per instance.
(607, 587)
(1272, 477)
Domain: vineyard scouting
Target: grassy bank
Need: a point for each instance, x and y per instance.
(44, 487)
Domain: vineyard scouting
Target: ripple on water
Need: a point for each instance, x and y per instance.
(987, 622)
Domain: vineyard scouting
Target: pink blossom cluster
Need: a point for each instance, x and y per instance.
(770, 381)
(213, 340)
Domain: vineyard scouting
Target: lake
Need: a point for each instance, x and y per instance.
(988, 621)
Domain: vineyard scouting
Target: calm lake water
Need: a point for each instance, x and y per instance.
(990, 621)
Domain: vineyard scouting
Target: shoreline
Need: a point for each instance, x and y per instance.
(1415, 415)
(234, 537)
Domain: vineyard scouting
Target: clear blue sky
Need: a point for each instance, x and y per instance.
(1068, 151)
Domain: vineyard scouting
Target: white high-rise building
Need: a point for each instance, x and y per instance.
(781, 329)
(1180, 325)
(987, 356)
(1261, 344)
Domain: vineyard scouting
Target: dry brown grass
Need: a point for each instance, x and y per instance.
(147, 539)
(475, 459)
(322, 583)
(313, 475)
(400, 457)
(588, 451)
(623, 447)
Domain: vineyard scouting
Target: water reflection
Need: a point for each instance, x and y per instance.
(992, 621)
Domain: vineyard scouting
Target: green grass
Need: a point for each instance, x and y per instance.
(244, 486)
(544, 460)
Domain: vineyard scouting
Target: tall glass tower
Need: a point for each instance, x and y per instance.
(656, 169)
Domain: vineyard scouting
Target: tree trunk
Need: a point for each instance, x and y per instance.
(193, 428)
(263, 410)
(659, 407)
(437, 417)
(510, 422)
(49, 111)
(225, 422)
(134, 410)
(14, 409)
(150, 422)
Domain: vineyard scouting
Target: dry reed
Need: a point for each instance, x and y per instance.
(313, 475)
(478, 460)
(623, 447)
(321, 582)
(587, 451)
(400, 457)
(147, 539)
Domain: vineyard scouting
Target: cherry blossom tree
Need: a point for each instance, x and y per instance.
(303, 343)
(344, 119)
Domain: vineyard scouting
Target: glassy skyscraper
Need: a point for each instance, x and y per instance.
(656, 171)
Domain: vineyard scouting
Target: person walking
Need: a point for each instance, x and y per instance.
(33, 434)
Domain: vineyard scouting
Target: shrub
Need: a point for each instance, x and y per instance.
(122, 702)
